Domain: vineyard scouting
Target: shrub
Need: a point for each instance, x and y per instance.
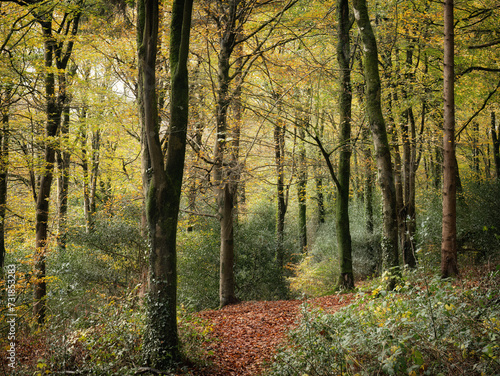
(257, 274)
(430, 328)
(198, 269)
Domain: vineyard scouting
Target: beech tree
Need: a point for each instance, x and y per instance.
(161, 343)
(449, 265)
(390, 256)
(58, 45)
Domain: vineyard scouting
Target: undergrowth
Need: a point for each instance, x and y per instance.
(426, 326)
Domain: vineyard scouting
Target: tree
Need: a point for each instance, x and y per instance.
(390, 257)
(346, 279)
(161, 347)
(5, 99)
(231, 17)
(57, 52)
(449, 265)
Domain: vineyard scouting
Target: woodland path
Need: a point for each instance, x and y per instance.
(245, 336)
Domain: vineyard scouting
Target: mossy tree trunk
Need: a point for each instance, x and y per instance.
(225, 172)
(496, 144)
(302, 123)
(449, 267)
(346, 279)
(63, 165)
(390, 257)
(161, 343)
(4, 167)
(55, 51)
(279, 158)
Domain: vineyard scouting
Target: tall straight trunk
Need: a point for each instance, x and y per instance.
(496, 144)
(369, 186)
(408, 169)
(476, 152)
(54, 106)
(449, 266)
(225, 185)
(408, 212)
(63, 164)
(302, 185)
(390, 257)
(161, 342)
(279, 157)
(320, 197)
(4, 169)
(90, 170)
(346, 278)
(146, 171)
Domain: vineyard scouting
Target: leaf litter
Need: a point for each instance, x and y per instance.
(245, 336)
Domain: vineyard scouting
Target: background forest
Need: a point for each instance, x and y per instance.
(264, 117)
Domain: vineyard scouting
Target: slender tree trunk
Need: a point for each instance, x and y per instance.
(54, 105)
(369, 203)
(475, 152)
(496, 144)
(146, 171)
(390, 257)
(279, 157)
(224, 187)
(90, 172)
(4, 169)
(318, 167)
(346, 278)
(63, 165)
(302, 185)
(161, 343)
(449, 265)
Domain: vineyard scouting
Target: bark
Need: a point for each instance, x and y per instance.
(224, 172)
(146, 171)
(4, 169)
(496, 144)
(90, 170)
(161, 342)
(390, 257)
(346, 278)
(63, 165)
(279, 157)
(476, 152)
(320, 197)
(302, 185)
(449, 265)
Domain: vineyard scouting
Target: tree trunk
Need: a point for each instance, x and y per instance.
(4, 169)
(279, 157)
(302, 185)
(496, 144)
(224, 186)
(161, 343)
(54, 105)
(449, 265)
(390, 257)
(346, 278)
(63, 165)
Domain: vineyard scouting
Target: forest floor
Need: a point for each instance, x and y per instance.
(244, 337)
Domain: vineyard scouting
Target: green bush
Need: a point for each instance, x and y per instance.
(258, 276)
(430, 328)
(198, 269)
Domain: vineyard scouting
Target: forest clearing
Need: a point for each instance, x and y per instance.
(249, 187)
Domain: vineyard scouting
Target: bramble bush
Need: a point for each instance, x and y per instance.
(423, 327)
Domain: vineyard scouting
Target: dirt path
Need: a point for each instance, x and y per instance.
(246, 335)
